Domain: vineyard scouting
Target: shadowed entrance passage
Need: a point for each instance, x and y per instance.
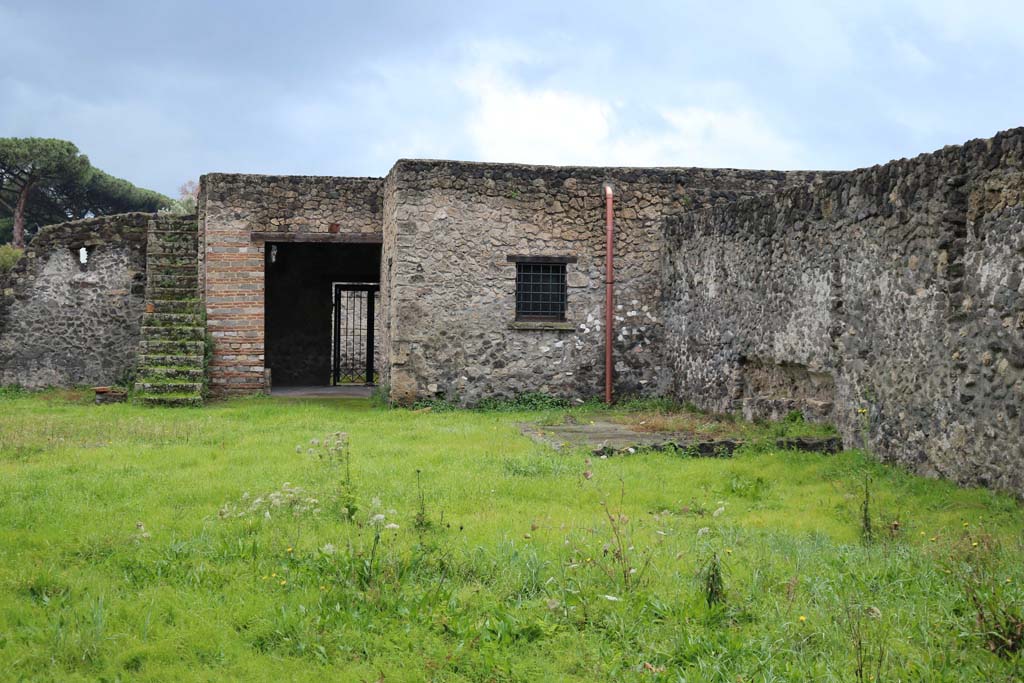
(310, 340)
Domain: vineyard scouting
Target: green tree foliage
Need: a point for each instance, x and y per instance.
(45, 181)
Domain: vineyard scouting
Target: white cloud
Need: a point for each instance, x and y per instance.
(509, 121)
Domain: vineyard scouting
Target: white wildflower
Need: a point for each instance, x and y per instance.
(718, 512)
(703, 531)
(391, 525)
(328, 549)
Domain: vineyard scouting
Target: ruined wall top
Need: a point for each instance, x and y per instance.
(294, 203)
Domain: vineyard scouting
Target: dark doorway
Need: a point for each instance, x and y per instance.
(302, 334)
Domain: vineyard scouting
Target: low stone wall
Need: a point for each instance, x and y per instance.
(449, 288)
(67, 323)
(887, 300)
(232, 207)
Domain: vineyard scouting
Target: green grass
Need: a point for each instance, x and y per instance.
(132, 547)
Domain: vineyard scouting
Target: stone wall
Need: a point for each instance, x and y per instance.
(449, 289)
(234, 209)
(68, 323)
(887, 300)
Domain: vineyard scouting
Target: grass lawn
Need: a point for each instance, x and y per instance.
(210, 544)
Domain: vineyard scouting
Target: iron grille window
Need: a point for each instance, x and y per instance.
(540, 291)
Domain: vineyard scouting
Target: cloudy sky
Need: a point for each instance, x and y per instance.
(161, 92)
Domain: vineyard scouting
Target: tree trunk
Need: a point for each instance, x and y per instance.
(19, 217)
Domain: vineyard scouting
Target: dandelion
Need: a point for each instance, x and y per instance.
(283, 582)
(391, 525)
(274, 574)
(966, 524)
(289, 549)
(323, 588)
(802, 618)
(553, 604)
(298, 449)
(328, 549)
(377, 519)
(728, 551)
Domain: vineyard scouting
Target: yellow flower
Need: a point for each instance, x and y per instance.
(974, 545)
(323, 588)
(283, 582)
(802, 618)
(1007, 579)
(264, 577)
(965, 525)
(728, 551)
(934, 539)
(289, 548)
(274, 574)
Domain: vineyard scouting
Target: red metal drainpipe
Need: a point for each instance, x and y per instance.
(609, 286)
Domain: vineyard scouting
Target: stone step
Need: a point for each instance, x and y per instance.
(181, 373)
(180, 306)
(165, 359)
(172, 265)
(149, 385)
(169, 400)
(162, 293)
(163, 234)
(161, 319)
(172, 250)
(161, 279)
(173, 332)
(174, 347)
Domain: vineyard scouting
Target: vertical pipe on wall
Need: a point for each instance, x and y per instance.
(609, 282)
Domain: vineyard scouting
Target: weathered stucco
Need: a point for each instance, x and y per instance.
(65, 323)
(887, 300)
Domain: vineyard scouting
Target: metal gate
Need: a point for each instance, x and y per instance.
(352, 345)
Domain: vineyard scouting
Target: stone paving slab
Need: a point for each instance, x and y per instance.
(610, 438)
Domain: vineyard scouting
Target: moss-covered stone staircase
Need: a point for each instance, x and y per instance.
(171, 366)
